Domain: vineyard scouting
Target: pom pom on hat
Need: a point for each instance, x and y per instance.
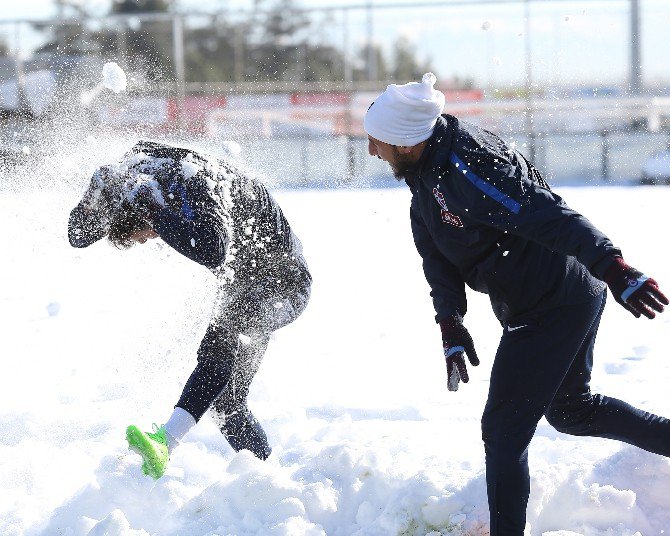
(405, 115)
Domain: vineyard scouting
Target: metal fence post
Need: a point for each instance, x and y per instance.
(604, 157)
(530, 127)
(351, 149)
(179, 66)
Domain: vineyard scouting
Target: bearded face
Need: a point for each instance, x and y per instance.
(403, 166)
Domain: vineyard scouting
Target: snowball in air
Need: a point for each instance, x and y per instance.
(231, 148)
(113, 77)
(486, 25)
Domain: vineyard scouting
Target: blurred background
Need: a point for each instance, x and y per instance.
(580, 87)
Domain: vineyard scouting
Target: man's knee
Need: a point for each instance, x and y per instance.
(506, 435)
(218, 344)
(572, 415)
(495, 436)
(227, 404)
(489, 429)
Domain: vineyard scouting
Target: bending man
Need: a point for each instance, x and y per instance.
(216, 216)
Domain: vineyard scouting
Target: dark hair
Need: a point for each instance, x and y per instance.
(125, 221)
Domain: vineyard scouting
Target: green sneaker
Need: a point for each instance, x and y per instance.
(152, 447)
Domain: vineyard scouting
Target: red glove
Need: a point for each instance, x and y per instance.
(456, 341)
(634, 290)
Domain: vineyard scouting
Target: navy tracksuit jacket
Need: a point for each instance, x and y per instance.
(481, 215)
(227, 221)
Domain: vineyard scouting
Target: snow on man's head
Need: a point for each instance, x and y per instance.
(405, 115)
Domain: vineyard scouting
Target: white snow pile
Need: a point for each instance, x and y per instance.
(366, 438)
(113, 77)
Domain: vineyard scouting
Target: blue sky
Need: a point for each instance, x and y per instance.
(572, 42)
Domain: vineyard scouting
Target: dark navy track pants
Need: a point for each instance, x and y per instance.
(543, 367)
(232, 350)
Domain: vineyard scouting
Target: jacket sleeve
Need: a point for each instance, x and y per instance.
(503, 193)
(447, 285)
(85, 226)
(196, 229)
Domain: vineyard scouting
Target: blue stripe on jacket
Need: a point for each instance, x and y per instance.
(186, 209)
(484, 186)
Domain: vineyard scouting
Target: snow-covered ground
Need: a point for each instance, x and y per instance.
(367, 439)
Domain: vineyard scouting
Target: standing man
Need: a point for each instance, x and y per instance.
(482, 215)
(213, 214)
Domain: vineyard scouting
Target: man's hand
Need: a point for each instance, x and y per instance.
(456, 341)
(638, 293)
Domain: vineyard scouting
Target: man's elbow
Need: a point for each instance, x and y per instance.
(215, 256)
(75, 241)
(74, 230)
(82, 231)
(79, 238)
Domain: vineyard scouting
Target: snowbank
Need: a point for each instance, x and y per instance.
(367, 439)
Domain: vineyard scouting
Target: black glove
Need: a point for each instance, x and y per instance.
(456, 340)
(638, 293)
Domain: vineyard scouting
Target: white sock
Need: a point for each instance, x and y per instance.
(177, 426)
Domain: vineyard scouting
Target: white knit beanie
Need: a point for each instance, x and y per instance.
(405, 115)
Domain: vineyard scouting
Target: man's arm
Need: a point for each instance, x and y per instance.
(85, 226)
(196, 230)
(446, 283)
(501, 193)
(504, 196)
(89, 220)
(448, 293)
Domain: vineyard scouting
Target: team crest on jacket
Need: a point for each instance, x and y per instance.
(447, 217)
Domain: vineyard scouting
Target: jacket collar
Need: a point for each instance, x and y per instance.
(438, 144)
